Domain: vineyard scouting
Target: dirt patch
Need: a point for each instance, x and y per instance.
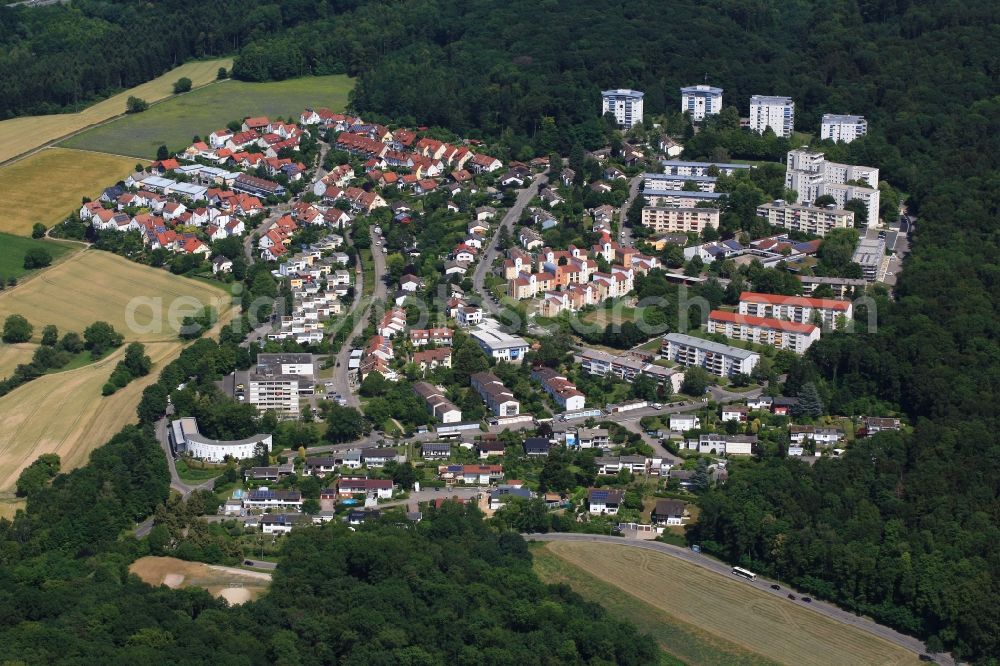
(236, 586)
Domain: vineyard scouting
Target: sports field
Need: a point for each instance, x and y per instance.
(49, 185)
(701, 617)
(20, 135)
(64, 412)
(13, 249)
(92, 285)
(236, 586)
(203, 111)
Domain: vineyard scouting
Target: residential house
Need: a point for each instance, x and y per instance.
(604, 501)
(668, 512)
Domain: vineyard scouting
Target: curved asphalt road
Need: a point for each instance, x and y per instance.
(762, 584)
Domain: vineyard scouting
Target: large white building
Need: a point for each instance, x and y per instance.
(816, 220)
(811, 175)
(498, 344)
(669, 181)
(764, 331)
(716, 358)
(701, 101)
(844, 128)
(869, 255)
(778, 113)
(185, 438)
(663, 219)
(685, 168)
(624, 104)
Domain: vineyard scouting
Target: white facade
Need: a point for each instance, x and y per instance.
(277, 392)
(773, 332)
(671, 181)
(663, 219)
(626, 105)
(701, 101)
(816, 220)
(718, 359)
(812, 176)
(682, 422)
(499, 345)
(185, 438)
(845, 128)
(778, 113)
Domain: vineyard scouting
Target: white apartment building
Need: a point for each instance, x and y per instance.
(816, 220)
(302, 365)
(812, 176)
(778, 113)
(718, 359)
(845, 128)
(498, 344)
(799, 309)
(497, 397)
(841, 287)
(670, 181)
(185, 438)
(663, 219)
(275, 392)
(773, 332)
(869, 255)
(626, 105)
(684, 168)
(666, 198)
(701, 101)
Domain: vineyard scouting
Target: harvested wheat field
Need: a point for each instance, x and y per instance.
(761, 627)
(64, 412)
(48, 186)
(144, 304)
(234, 585)
(20, 135)
(13, 355)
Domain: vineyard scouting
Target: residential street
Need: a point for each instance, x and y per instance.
(489, 257)
(341, 373)
(763, 584)
(633, 192)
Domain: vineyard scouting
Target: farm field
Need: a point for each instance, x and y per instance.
(13, 355)
(236, 586)
(20, 135)
(92, 285)
(64, 412)
(13, 249)
(49, 185)
(703, 618)
(203, 111)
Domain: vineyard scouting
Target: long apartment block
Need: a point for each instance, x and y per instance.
(777, 333)
(800, 309)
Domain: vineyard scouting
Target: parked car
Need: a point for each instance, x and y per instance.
(792, 597)
(775, 587)
(807, 600)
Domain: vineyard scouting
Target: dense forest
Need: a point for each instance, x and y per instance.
(449, 589)
(905, 526)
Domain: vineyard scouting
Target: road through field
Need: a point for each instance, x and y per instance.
(702, 592)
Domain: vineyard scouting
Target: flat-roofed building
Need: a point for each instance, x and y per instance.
(716, 358)
(184, 437)
(700, 101)
(662, 219)
(841, 287)
(624, 104)
(806, 218)
(776, 113)
(685, 168)
(842, 127)
(498, 344)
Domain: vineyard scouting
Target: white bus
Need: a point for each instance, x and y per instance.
(743, 573)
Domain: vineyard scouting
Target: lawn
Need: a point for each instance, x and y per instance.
(195, 474)
(234, 585)
(49, 185)
(704, 618)
(20, 135)
(13, 249)
(203, 111)
(64, 412)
